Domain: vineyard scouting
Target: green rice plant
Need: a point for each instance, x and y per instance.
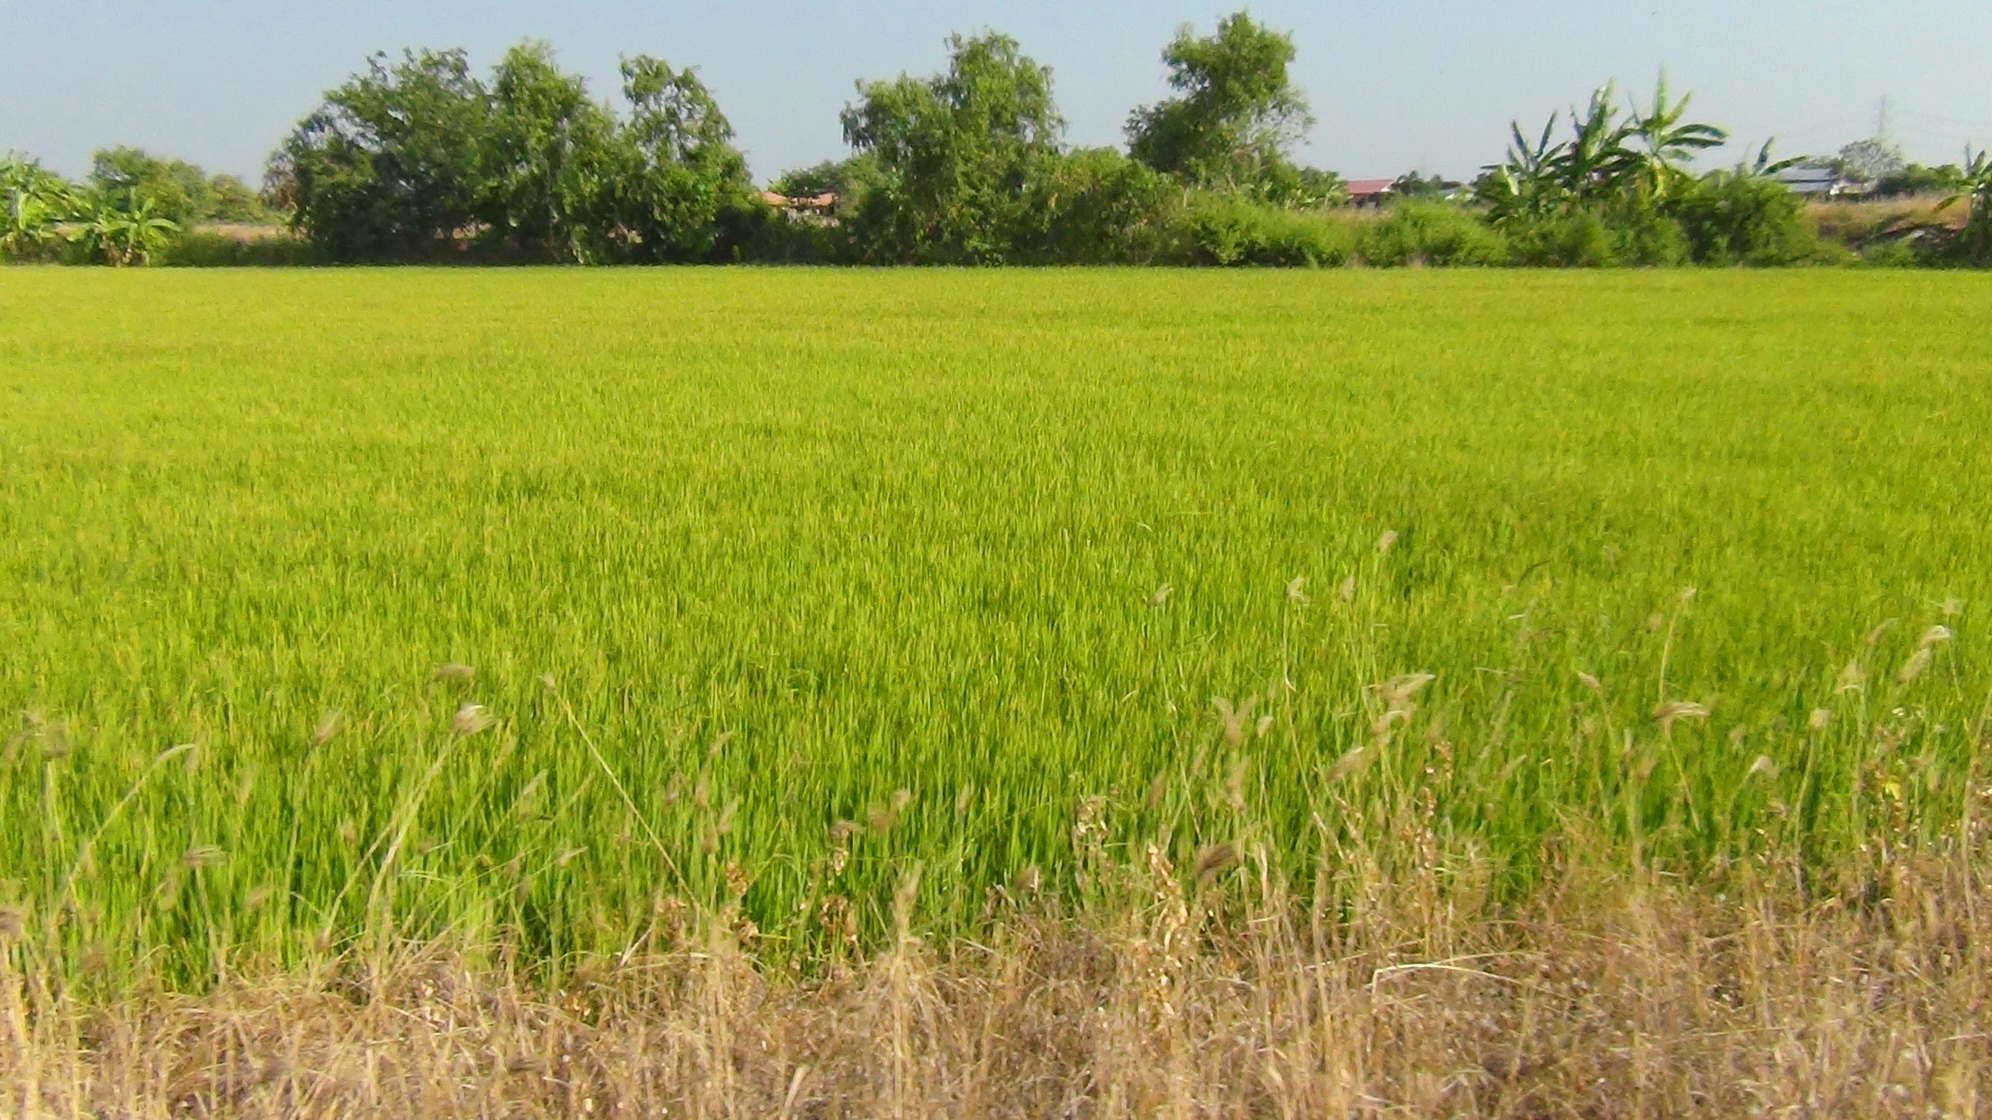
(525, 608)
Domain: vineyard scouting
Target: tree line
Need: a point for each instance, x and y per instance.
(419, 158)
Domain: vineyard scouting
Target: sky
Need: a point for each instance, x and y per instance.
(1396, 85)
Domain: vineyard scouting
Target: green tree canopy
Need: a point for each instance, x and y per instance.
(1236, 113)
(679, 175)
(420, 156)
(178, 191)
(957, 154)
(390, 164)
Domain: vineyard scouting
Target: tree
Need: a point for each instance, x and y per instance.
(1916, 179)
(178, 191)
(420, 157)
(679, 173)
(547, 158)
(958, 154)
(391, 164)
(1235, 115)
(235, 201)
(1871, 160)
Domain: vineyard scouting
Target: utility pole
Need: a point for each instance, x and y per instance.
(1882, 122)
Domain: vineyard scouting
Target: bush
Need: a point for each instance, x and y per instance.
(1230, 230)
(1097, 206)
(207, 248)
(1590, 239)
(1731, 218)
(1432, 233)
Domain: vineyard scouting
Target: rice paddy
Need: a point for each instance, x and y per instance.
(517, 608)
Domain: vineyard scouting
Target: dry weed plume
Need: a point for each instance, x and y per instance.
(1821, 719)
(1161, 595)
(1348, 592)
(1400, 700)
(1591, 682)
(471, 719)
(1214, 860)
(1916, 666)
(453, 673)
(1235, 717)
(328, 727)
(1386, 542)
(1296, 591)
(1852, 678)
(13, 922)
(1671, 712)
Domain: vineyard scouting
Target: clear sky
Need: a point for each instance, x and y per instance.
(1397, 85)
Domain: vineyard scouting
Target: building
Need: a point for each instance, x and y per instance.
(1372, 192)
(1821, 183)
(815, 206)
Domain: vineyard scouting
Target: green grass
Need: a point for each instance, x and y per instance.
(790, 542)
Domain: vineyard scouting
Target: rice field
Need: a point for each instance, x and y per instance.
(521, 608)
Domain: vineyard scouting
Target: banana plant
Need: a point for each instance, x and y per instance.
(36, 204)
(1974, 243)
(1615, 158)
(127, 233)
(1670, 139)
(1524, 183)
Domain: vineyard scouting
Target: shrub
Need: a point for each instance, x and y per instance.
(1230, 230)
(1738, 218)
(1432, 233)
(208, 248)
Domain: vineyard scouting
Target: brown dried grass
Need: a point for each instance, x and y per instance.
(1610, 996)
(1863, 222)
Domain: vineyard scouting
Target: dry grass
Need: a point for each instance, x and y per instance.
(1860, 223)
(1612, 996)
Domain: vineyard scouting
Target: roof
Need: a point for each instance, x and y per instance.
(825, 201)
(1818, 181)
(1364, 188)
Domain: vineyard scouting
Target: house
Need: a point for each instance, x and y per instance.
(818, 206)
(1820, 183)
(1372, 192)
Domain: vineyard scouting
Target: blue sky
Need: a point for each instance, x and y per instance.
(1397, 85)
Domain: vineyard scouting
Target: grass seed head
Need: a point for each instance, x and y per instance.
(1160, 596)
(1591, 682)
(1674, 711)
(1348, 592)
(1935, 636)
(471, 719)
(13, 922)
(328, 727)
(1386, 542)
(453, 672)
(1821, 719)
(201, 856)
(1215, 860)
(1916, 666)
